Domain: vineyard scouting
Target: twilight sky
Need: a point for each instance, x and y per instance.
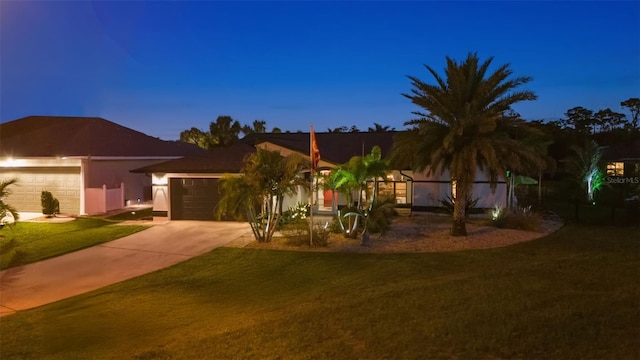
(163, 67)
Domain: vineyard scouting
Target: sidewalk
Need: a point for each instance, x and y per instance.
(160, 246)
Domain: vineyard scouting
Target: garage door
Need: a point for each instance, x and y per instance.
(193, 198)
(62, 182)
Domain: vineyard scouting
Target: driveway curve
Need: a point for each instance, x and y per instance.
(158, 247)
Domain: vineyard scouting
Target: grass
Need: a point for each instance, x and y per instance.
(28, 242)
(574, 294)
(142, 214)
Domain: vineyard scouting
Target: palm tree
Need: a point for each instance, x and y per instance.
(224, 132)
(584, 164)
(257, 194)
(380, 128)
(352, 177)
(7, 211)
(258, 127)
(463, 128)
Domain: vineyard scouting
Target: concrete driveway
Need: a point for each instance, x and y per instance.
(160, 246)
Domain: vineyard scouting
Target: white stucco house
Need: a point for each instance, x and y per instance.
(187, 188)
(83, 161)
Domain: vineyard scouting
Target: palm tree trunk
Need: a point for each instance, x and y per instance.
(459, 227)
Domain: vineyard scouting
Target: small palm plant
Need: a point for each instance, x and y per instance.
(352, 177)
(585, 167)
(8, 214)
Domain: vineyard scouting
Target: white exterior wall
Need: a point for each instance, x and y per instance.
(112, 173)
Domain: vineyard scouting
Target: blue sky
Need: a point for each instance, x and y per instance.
(163, 67)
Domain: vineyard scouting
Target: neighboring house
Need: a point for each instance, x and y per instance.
(186, 189)
(83, 161)
(622, 160)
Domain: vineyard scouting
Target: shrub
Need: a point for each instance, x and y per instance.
(379, 218)
(297, 213)
(518, 219)
(447, 204)
(297, 234)
(50, 205)
(334, 226)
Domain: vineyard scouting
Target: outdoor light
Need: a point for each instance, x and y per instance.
(495, 213)
(11, 162)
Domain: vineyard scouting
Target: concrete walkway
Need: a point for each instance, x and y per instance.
(160, 246)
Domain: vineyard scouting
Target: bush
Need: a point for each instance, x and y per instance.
(50, 205)
(334, 226)
(300, 212)
(379, 218)
(297, 234)
(447, 204)
(518, 219)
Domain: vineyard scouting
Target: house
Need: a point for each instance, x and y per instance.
(83, 161)
(187, 188)
(623, 159)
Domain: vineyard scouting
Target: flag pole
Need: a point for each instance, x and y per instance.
(312, 158)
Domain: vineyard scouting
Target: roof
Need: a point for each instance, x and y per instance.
(54, 136)
(622, 151)
(219, 160)
(337, 148)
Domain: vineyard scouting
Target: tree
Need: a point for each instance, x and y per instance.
(223, 132)
(351, 178)
(379, 128)
(259, 127)
(579, 119)
(8, 213)
(257, 194)
(197, 137)
(607, 120)
(633, 104)
(463, 128)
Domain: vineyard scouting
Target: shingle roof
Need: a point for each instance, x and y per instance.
(337, 148)
(219, 160)
(44, 136)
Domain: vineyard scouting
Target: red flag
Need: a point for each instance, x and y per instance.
(315, 153)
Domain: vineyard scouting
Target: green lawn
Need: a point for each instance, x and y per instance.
(572, 295)
(28, 242)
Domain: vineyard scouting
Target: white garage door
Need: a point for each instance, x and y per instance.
(62, 182)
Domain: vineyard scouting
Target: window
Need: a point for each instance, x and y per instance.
(615, 169)
(391, 188)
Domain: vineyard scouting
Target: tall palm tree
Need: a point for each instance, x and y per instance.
(463, 129)
(6, 210)
(257, 194)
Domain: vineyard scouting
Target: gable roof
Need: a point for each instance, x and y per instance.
(47, 136)
(337, 148)
(219, 160)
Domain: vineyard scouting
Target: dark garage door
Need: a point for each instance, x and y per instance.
(193, 199)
